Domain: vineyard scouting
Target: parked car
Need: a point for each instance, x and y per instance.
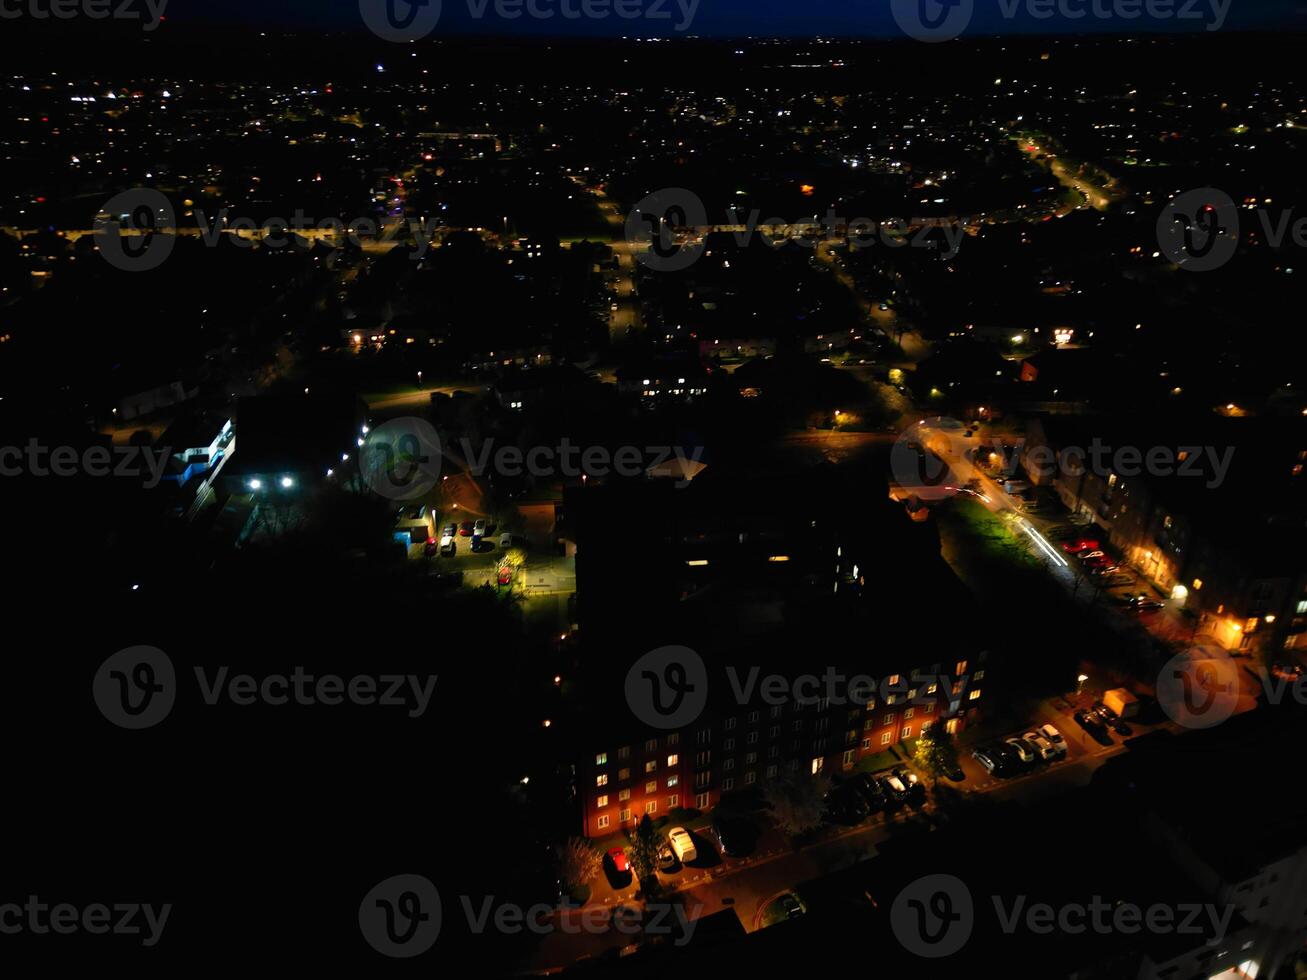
(870, 789)
(1091, 724)
(618, 858)
(465, 529)
(845, 805)
(895, 788)
(1090, 555)
(1143, 603)
(666, 858)
(506, 539)
(1054, 737)
(431, 548)
(989, 760)
(1024, 752)
(1286, 672)
(449, 531)
(735, 835)
(682, 844)
(1080, 544)
(479, 527)
(916, 792)
(1043, 747)
(792, 905)
(1111, 719)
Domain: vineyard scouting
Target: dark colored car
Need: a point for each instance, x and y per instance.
(1142, 603)
(1091, 723)
(843, 805)
(1111, 719)
(735, 835)
(465, 529)
(871, 791)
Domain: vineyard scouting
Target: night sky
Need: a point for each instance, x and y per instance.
(738, 18)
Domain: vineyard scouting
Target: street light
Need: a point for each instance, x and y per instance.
(1080, 683)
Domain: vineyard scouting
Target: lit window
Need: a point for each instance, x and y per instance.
(601, 779)
(672, 760)
(651, 807)
(974, 695)
(651, 786)
(603, 822)
(601, 801)
(601, 759)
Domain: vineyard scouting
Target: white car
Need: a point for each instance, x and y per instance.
(1054, 737)
(1025, 752)
(682, 844)
(506, 539)
(479, 528)
(1042, 745)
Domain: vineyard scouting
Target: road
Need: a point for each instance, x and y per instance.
(1096, 196)
(626, 318)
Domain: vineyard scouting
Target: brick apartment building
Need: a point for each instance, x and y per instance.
(1223, 534)
(753, 588)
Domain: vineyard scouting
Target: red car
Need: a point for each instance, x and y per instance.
(618, 857)
(1080, 544)
(465, 529)
(505, 576)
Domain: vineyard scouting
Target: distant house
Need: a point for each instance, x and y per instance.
(290, 441)
(656, 379)
(538, 387)
(153, 399)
